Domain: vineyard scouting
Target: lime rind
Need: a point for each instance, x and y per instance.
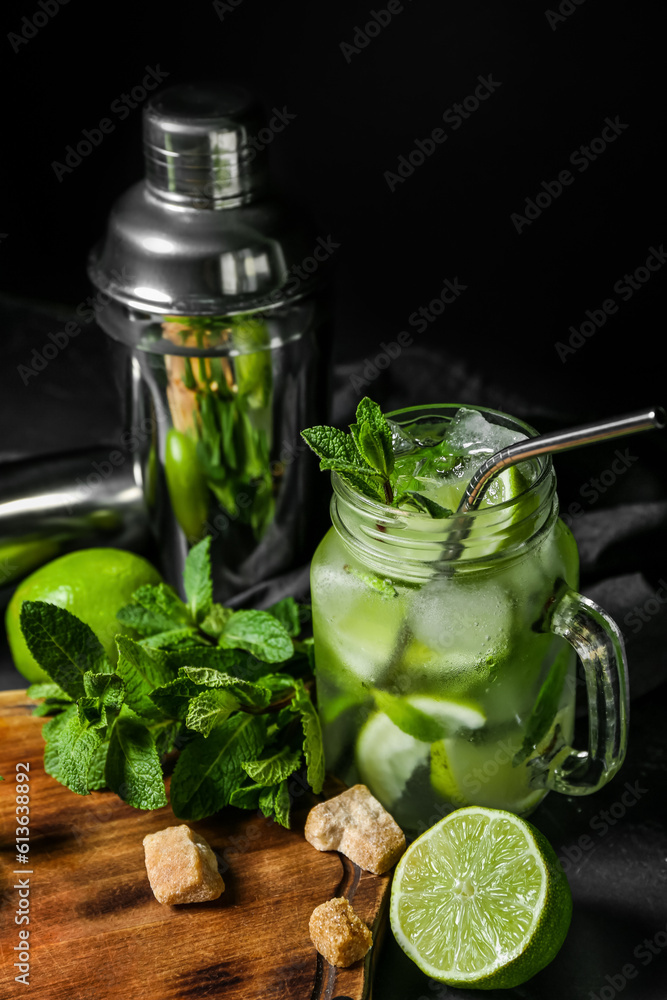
(480, 900)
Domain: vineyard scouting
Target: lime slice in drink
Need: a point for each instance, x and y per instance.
(387, 757)
(480, 900)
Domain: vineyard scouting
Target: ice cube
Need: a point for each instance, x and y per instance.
(462, 622)
(472, 433)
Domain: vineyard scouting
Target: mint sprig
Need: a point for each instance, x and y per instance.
(364, 459)
(200, 679)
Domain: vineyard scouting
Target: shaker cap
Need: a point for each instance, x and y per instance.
(198, 145)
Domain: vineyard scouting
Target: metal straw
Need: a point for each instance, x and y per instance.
(575, 437)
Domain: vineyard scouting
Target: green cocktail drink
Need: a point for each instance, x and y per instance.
(444, 682)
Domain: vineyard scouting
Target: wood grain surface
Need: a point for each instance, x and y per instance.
(97, 931)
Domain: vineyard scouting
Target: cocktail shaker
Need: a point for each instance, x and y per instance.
(213, 291)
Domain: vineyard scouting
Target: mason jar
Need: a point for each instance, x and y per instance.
(448, 678)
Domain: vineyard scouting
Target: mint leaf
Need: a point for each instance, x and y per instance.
(312, 736)
(47, 690)
(142, 670)
(64, 646)
(210, 709)
(275, 803)
(277, 767)
(132, 766)
(107, 689)
(383, 587)
(215, 620)
(259, 633)
(177, 638)
(162, 610)
(197, 579)
(281, 804)
(76, 744)
(545, 708)
(174, 698)
(96, 777)
(209, 768)
(51, 732)
(288, 614)
(55, 699)
(372, 436)
(410, 719)
(246, 797)
(332, 445)
(427, 506)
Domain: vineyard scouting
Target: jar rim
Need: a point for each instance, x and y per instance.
(544, 462)
(401, 537)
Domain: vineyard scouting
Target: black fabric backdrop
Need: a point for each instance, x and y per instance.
(511, 339)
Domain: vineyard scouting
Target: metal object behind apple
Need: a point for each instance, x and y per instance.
(202, 236)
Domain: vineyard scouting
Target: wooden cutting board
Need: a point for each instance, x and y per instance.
(97, 932)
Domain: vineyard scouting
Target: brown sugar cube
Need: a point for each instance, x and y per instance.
(355, 824)
(338, 933)
(181, 866)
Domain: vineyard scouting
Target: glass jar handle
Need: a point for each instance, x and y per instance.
(598, 642)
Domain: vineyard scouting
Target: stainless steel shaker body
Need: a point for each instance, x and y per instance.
(212, 291)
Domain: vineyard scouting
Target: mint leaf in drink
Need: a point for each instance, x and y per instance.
(197, 579)
(142, 670)
(277, 767)
(260, 633)
(372, 436)
(312, 735)
(334, 447)
(384, 588)
(209, 768)
(545, 708)
(338, 452)
(64, 646)
(132, 765)
(427, 506)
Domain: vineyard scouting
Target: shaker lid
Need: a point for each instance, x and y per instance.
(202, 234)
(197, 144)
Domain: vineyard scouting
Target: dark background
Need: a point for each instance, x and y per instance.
(355, 115)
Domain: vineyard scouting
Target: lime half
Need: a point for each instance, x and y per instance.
(480, 900)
